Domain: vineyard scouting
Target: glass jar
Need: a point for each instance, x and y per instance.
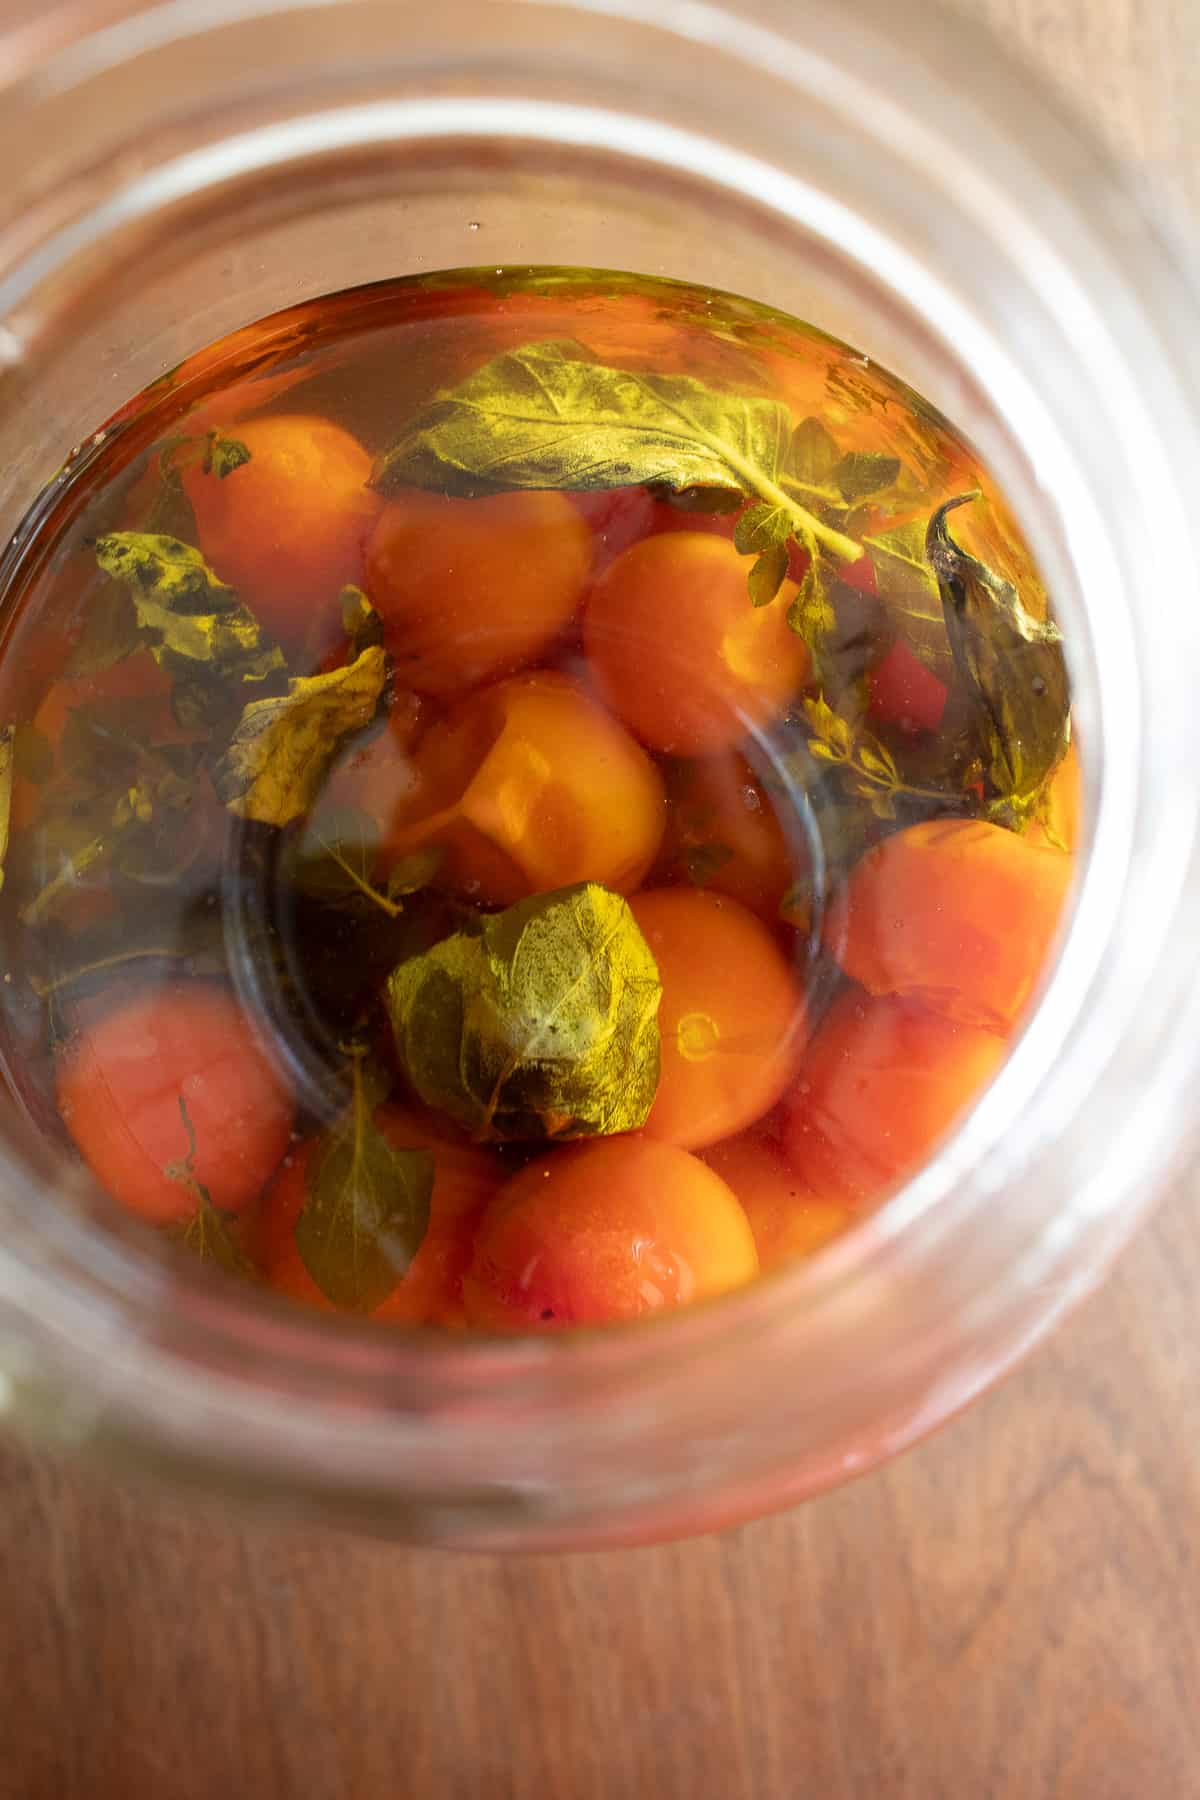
(177, 171)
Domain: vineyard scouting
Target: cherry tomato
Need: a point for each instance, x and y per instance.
(679, 653)
(527, 786)
(616, 517)
(472, 589)
(732, 1019)
(787, 1218)
(723, 835)
(126, 1078)
(604, 1231)
(903, 692)
(956, 912)
(288, 528)
(430, 1292)
(881, 1083)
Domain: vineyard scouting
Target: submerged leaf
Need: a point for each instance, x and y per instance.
(541, 1023)
(333, 862)
(864, 472)
(768, 575)
(366, 1206)
(205, 1234)
(550, 416)
(199, 629)
(110, 633)
(282, 747)
(1014, 671)
(909, 588)
(360, 622)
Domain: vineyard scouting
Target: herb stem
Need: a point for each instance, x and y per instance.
(67, 877)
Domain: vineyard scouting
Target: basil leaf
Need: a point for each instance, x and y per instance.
(110, 633)
(222, 455)
(762, 528)
(550, 416)
(206, 1235)
(864, 472)
(812, 454)
(910, 590)
(768, 575)
(1013, 668)
(541, 1023)
(282, 747)
(201, 634)
(366, 1207)
(360, 622)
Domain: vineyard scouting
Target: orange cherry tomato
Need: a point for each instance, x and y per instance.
(732, 1018)
(609, 1230)
(788, 1220)
(902, 691)
(957, 913)
(881, 1083)
(679, 653)
(430, 1291)
(288, 528)
(528, 786)
(472, 589)
(125, 1077)
(723, 835)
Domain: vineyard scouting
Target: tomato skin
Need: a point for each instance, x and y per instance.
(956, 912)
(430, 1291)
(529, 786)
(788, 1219)
(732, 1019)
(608, 1230)
(120, 1080)
(472, 589)
(288, 529)
(903, 692)
(882, 1081)
(678, 652)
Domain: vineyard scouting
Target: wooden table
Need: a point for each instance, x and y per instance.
(1008, 1613)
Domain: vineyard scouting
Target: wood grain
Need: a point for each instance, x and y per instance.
(1009, 1613)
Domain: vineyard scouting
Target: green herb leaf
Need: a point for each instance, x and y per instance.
(110, 633)
(282, 747)
(202, 636)
(868, 765)
(541, 1023)
(909, 588)
(360, 622)
(366, 1207)
(550, 416)
(222, 455)
(333, 862)
(864, 472)
(810, 614)
(768, 575)
(762, 527)
(206, 1233)
(1013, 668)
(703, 860)
(698, 500)
(812, 456)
